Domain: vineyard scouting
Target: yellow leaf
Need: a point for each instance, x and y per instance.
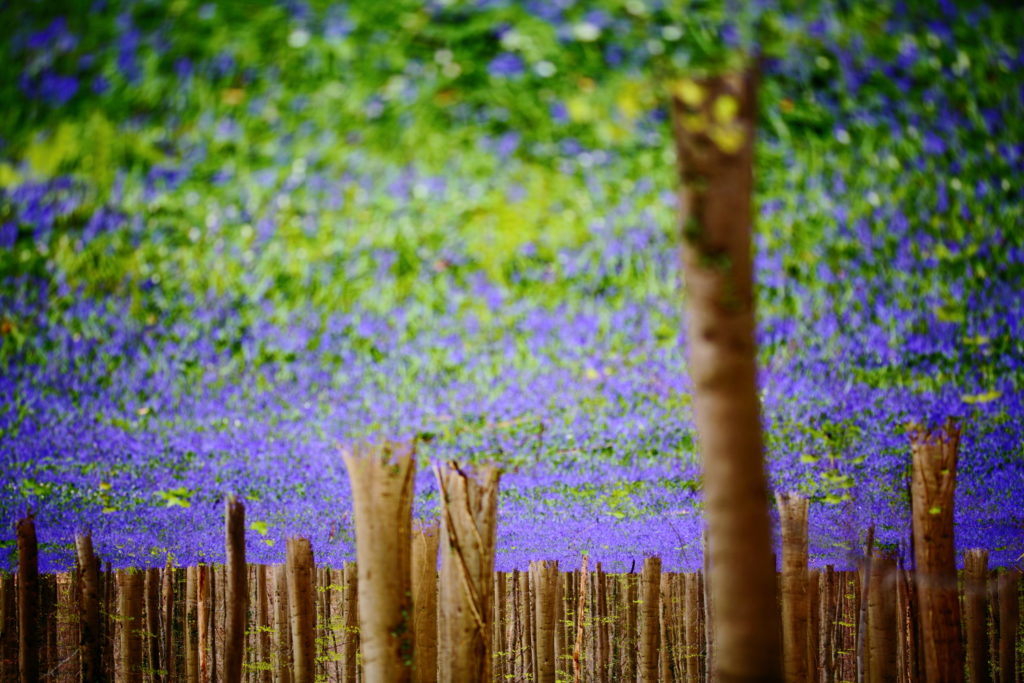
(725, 109)
(987, 397)
(8, 176)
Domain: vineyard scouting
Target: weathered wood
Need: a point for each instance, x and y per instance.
(167, 607)
(813, 624)
(191, 624)
(861, 635)
(425, 538)
(382, 486)
(203, 622)
(976, 613)
(795, 609)
(714, 122)
(302, 608)
(468, 536)
(236, 589)
(29, 636)
(933, 488)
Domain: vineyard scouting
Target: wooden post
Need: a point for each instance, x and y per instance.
(933, 486)
(795, 610)
(650, 583)
(282, 626)
(1009, 623)
(714, 122)
(236, 589)
(90, 652)
(28, 601)
(132, 624)
(303, 610)
(976, 613)
(468, 535)
(425, 539)
(545, 579)
(382, 489)
(882, 634)
(694, 638)
(601, 625)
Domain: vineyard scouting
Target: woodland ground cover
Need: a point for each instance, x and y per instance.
(232, 237)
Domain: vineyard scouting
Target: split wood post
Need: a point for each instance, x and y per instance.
(1009, 623)
(382, 489)
(545, 579)
(814, 623)
(469, 502)
(710, 670)
(263, 658)
(581, 606)
(28, 601)
(203, 635)
(282, 625)
(351, 644)
(795, 609)
(191, 624)
(132, 624)
(302, 609)
(425, 539)
(933, 486)
(882, 634)
(236, 589)
(714, 122)
(8, 628)
(976, 613)
(152, 628)
(650, 583)
(90, 650)
(167, 605)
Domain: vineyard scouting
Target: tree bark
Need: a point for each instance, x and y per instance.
(167, 605)
(545, 578)
(132, 624)
(882, 635)
(29, 653)
(203, 635)
(90, 651)
(976, 613)
(795, 610)
(191, 624)
(303, 609)
(714, 123)
(152, 640)
(236, 589)
(282, 625)
(425, 539)
(263, 657)
(351, 644)
(1009, 623)
(933, 485)
(650, 584)
(468, 535)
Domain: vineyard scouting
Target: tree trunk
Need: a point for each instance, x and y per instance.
(167, 605)
(1009, 623)
(203, 634)
(90, 652)
(236, 589)
(882, 634)
(424, 601)
(545, 579)
(264, 659)
(351, 645)
(303, 609)
(714, 124)
(795, 610)
(650, 584)
(581, 605)
(282, 625)
(976, 613)
(933, 486)
(29, 653)
(132, 624)
(152, 640)
(468, 535)
(191, 625)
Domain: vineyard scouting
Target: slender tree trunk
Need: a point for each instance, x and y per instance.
(203, 609)
(650, 584)
(191, 624)
(501, 623)
(152, 639)
(813, 624)
(167, 605)
(862, 611)
(351, 645)
(236, 589)
(545, 578)
(795, 610)
(29, 652)
(934, 482)
(468, 536)
(714, 123)
(303, 609)
(90, 651)
(664, 628)
(976, 613)
(1009, 623)
(8, 628)
(581, 606)
(264, 659)
(282, 625)
(882, 634)
(132, 624)
(424, 601)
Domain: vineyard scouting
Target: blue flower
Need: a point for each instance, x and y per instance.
(506, 65)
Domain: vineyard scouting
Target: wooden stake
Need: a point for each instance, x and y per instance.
(191, 624)
(263, 657)
(351, 644)
(152, 630)
(167, 605)
(581, 604)
(90, 651)
(282, 625)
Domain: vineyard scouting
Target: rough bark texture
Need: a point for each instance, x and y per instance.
(714, 124)
(469, 518)
(351, 644)
(629, 662)
(282, 625)
(302, 609)
(795, 609)
(882, 634)
(132, 625)
(191, 622)
(1009, 623)
(693, 635)
(90, 652)
(424, 600)
(29, 651)
(152, 632)
(647, 656)
(933, 485)
(976, 613)
(236, 589)
(167, 607)
(263, 656)
(581, 605)
(203, 635)
(545, 578)
(382, 488)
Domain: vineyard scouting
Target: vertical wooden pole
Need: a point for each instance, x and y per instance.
(882, 634)
(132, 624)
(976, 613)
(650, 584)
(90, 651)
(382, 489)
(601, 627)
(500, 622)
(425, 538)
(630, 644)
(236, 589)
(795, 610)
(933, 486)
(692, 627)
(468, 536)
(303, 609)
(151, 584)
(1009, 623)
(28, 601)
(714, 122)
